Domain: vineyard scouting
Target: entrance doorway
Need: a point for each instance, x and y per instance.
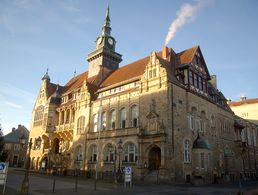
(154, 158)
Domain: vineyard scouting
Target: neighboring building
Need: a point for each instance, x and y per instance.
(246, 108)
(16, 154)
(163, 110)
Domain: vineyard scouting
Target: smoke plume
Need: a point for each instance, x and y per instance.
(185, 14)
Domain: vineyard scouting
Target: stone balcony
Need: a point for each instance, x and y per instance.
(65, 127)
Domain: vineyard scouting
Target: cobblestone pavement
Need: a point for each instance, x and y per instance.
(43, 184)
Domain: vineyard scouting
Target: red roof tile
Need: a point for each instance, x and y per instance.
(241, 102)
(75, 82)
(187, 55)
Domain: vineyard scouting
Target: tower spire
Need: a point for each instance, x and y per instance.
(106, 29)
(46, 76)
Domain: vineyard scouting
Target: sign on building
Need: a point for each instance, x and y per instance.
(3, 174)
(128, 176)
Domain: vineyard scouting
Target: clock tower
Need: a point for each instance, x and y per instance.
(103, 60)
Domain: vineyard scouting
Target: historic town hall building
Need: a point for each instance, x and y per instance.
(163, 115)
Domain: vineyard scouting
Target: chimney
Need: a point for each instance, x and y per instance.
(243, 98)
(13, 129)
(165, 53)
(19, 126)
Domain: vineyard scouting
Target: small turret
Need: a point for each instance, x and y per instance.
(46, 76)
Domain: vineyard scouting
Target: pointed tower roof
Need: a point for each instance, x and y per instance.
(46, 76)
(106, 29)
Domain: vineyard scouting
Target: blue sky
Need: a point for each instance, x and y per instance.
(58, 34)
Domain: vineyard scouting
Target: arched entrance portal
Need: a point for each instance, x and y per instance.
(154, 158)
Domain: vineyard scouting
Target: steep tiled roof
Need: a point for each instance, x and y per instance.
(241, 102)
(187, 55)
(75, 82)
(124, 73)
(51, 87)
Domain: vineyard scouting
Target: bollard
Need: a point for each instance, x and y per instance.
(76, 180)
(54, 185)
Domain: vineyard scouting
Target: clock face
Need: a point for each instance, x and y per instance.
(110, 41)
(99, 40)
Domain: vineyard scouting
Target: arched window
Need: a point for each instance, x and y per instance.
(93, 153)
(122, 118)
(78, 153)
(130, 152)
(80, 125)
(95, 122)
(38, 117)
(134, 115)
(187, 155)
(113, 119)
(103, 121)
(109, 153)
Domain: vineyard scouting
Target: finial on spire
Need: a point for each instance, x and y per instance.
(74, 73)
(46, 76)
(106, 28)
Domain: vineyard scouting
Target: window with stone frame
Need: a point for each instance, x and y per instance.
(78, 153)
(202, 160)
(39, 115)
(187, 154)
(203, 122)
(103, 121)
(80, 125)
(130, 153)
(67, 120)
(113, 119)
(109, 153)
(134, 115)
(93, 153)
(123, 118)
(191, 77)
(95, 122)
(195, 80)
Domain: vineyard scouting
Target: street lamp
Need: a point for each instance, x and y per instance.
(120, 150)
(25, 182)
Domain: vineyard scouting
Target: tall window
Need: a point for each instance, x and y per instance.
(191, 77)
(103, 121)
(95, 123)
(109, 153)
(204, 85)
(134, 115)
(130, 152)
(200, 83)
(195, 80)
(93, 153)
(113, 119)
(191, 121)
(122, 118)
(78, 153)
(202, 158)
(203, 122)
(38, 118)
(67, 116)
(187, 157)
(80, 125)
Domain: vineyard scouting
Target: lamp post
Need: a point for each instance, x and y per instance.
(25, 182)
(120, 150)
